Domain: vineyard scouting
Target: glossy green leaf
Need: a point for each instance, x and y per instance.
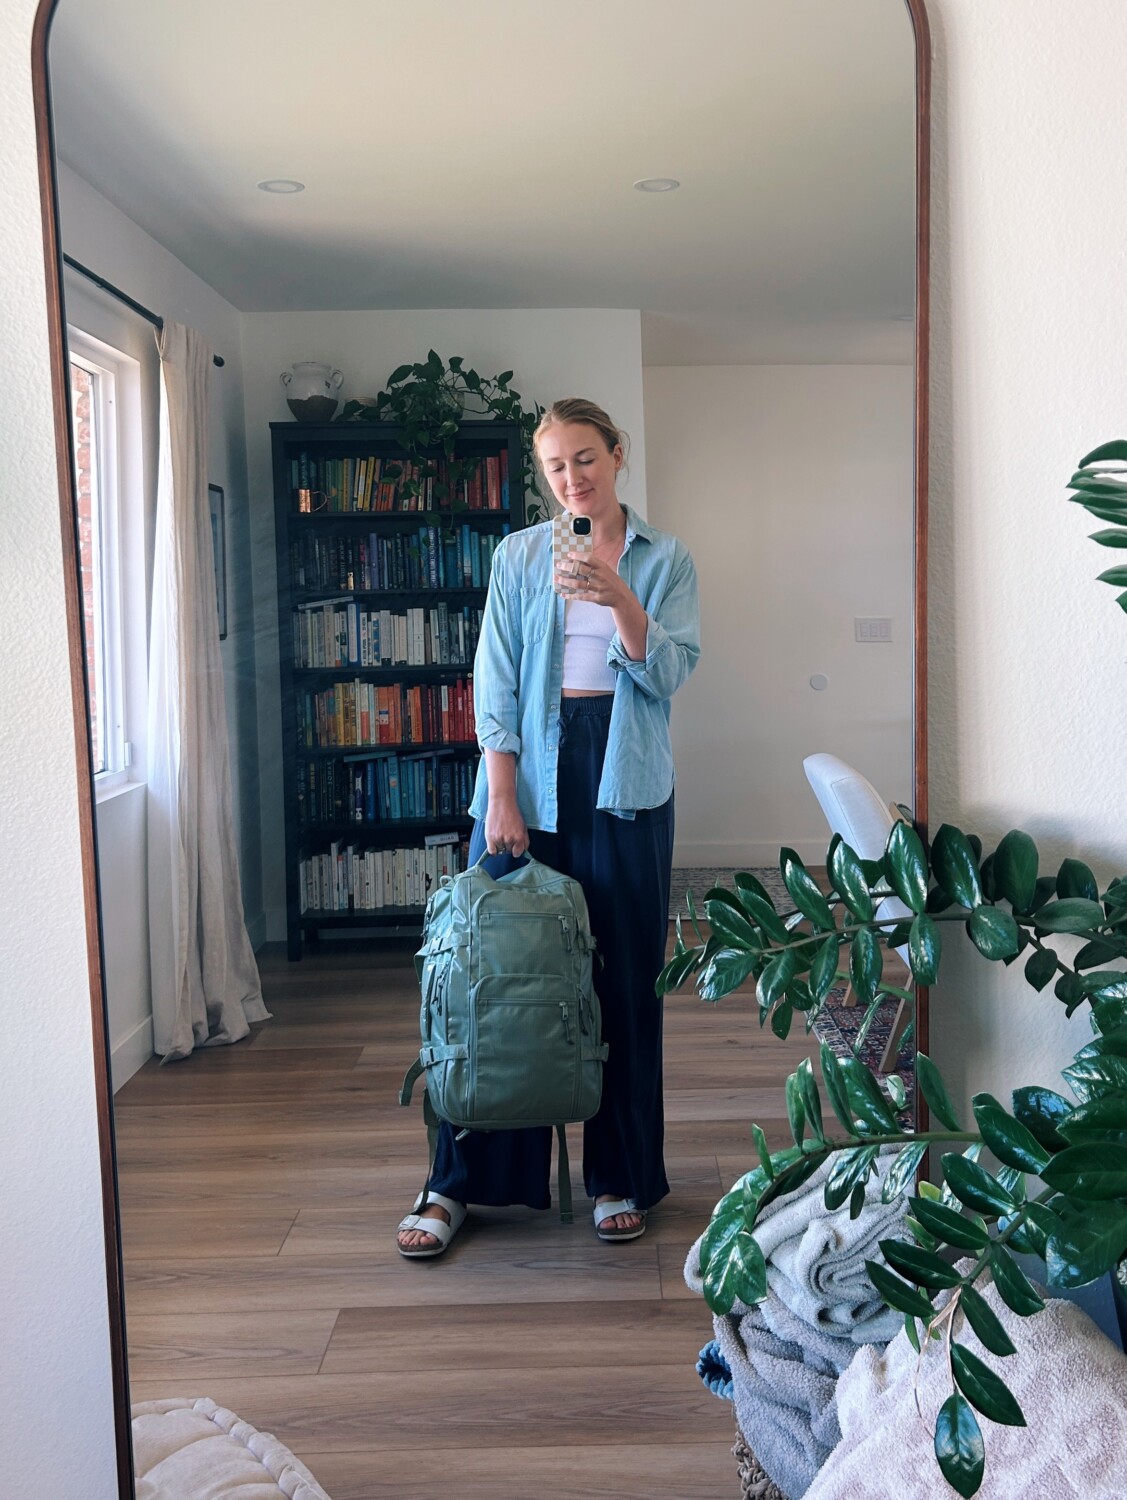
(1090, 1077)
(1071, 914)
(895, 1086)
(857, 1201)
(921, 1266)
(1104, 508)
(1106, 1044)
(762, 911)
(924, 949)
(949, 1225)
(985, 1322)
(1110, 452)
(1010, 1141)
(1102, 1118)
(1040, 967)
(835, 1088)
(1014, 1287)
(865, 964)
(747, 883)
(912, 1332)
(935, 1092)
(905, 865)
(955, 866)
(811, 1101)
(805, 892)
(919, 1233)
(901, 1174)
(781, 1018)
(762, 1150)
(898, 1294)
(1040, 1110)
(1091, 1170)
(958, 1446)
(676, 971)
(725, 972)
(983, 1389)
(1087, 1245)
(775, 978)
(1033, 1231)
(739, 1274)
(1069, 991)
(1015, 869)
(1116, 575)
(974, 1186)
(938, 900)
(732, 926)
(796, 1110)
(865, 1098)
(1108, 1012)
(1074, 878)
(849, 1169)
(993, 932)
(791, 1178)
(848, 877)
(823, 971)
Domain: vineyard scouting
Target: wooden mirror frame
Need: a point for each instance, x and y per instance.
(44, 127)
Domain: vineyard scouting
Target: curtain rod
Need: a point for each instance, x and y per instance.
(107, 286)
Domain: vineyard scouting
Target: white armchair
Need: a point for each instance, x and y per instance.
(855, 809)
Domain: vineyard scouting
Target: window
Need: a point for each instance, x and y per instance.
(98, 376)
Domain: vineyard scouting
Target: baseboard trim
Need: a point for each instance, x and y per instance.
(744, 856)
(131, 1053)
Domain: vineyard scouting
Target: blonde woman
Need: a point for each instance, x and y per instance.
(572, 685)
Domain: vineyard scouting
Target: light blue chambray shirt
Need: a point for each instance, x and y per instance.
(518, 671)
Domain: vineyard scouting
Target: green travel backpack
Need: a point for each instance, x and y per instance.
(510, 1023)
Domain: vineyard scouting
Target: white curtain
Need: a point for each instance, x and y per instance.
(206, 988)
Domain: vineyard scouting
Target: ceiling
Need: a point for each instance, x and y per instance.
(482, 155)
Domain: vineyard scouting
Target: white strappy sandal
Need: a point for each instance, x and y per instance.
(605, 1211)
(441, 1231)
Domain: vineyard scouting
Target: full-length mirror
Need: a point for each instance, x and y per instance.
(704, 218)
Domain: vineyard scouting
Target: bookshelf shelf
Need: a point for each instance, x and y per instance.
(361, 578)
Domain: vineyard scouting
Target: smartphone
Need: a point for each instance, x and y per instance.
(571, 541)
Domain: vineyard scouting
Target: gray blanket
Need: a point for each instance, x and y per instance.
(784, 1378)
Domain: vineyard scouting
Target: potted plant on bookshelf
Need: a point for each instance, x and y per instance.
(428, 401)
(1061, 1190)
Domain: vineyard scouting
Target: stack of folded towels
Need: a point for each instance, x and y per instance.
(785, 1355)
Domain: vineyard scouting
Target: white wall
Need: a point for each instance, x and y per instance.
(1028, 652)
(571, 352)
(54, 1349)
(792, 486)
(102, 238)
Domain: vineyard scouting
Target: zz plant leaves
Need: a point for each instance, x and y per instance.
(1015, 869)
(924, 948)
(985, 1322)
(905, 864)
(935, 1092)
(1010, 1141)
(805, 892)
(959, 1447)
(983, 1389)
(955, 866)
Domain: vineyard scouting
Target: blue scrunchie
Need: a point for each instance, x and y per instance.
(713, 1369)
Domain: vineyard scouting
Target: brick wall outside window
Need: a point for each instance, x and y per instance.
(82, 385)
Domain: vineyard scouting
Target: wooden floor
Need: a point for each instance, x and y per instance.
(261, 1185)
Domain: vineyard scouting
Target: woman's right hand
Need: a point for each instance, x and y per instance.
(505, 828)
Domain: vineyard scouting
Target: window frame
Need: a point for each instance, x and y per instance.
(114, 469)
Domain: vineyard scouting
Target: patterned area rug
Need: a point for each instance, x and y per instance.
(838, 1025)
(700, 880)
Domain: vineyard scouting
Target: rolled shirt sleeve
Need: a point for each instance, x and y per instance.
(672, 635)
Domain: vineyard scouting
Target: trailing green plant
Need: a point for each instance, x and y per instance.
(1060, 1191)
(1100, 483)
(427, 401)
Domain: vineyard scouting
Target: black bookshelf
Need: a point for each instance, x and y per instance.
(362, 571)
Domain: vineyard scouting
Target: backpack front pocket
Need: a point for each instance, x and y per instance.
(527, 1052)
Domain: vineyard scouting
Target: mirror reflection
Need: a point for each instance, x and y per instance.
(700, 220)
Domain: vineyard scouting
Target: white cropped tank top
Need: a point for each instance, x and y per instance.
(587, 632)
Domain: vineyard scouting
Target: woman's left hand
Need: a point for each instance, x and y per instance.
(592, 579)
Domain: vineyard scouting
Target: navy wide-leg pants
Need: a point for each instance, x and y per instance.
(623, 865)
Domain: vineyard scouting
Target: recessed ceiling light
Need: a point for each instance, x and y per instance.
(282, 185)
(656, 184)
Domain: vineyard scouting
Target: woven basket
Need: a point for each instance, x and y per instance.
(754, 1483)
